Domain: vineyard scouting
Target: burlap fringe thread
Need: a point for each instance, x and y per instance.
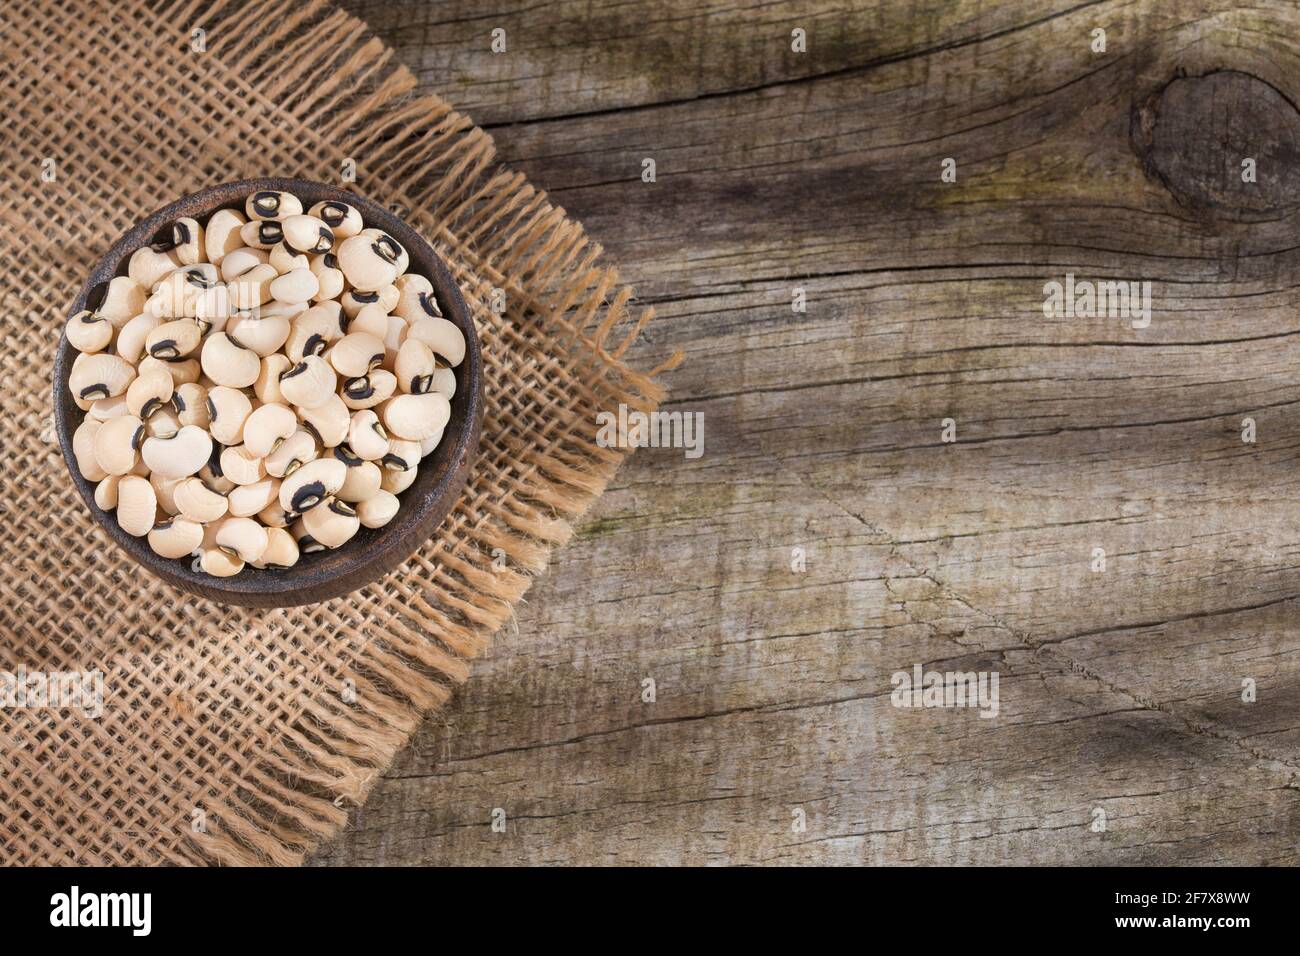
(341, 88)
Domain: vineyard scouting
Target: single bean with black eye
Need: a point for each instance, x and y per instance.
(148, 392)
(309, 384)
(370, 390)
(307, 235)
(333, 523)
(286, 260)
(88, 332)
(99, 375)
(367, 263)
(311, 484)
(343, 219)
(174, 340)
(262, 233)
(269, 204)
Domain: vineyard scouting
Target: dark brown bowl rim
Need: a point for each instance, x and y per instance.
(372, 552)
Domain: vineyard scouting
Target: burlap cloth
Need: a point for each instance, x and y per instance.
(231, 735)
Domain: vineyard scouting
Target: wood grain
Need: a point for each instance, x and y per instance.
(1121, 689)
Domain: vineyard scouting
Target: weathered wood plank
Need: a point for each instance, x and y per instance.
(1121, 689)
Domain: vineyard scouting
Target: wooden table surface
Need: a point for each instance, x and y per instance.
(1149, 691)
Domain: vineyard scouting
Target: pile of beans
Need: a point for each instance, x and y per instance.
(262, 384)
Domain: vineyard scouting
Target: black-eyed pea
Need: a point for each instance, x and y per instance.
(388, 297)
(185, 238)
(221, 237)
(369, 391)
(183, 372)
(369, 263)
(295, 451)
(273, 516)
(83, 449)
(175, 537)
(240, 261)
(267, 386)
(227, 363)
(253, 288)
(329, 278)
(212, 306)
(343, 220)
(286, 260)
(366, 436)
(270, 204)
(174, 340)
(181, 455)
(196, 501)
(123, 299)
(241, 466)
(99, 375)
(281, 550)
(106, 492)
(102, 409)
(444, 382)
(410, 288)
(131, 337)
(402, 455)
(356, 354)
(416, 417)
(415, 367)
(442, 336)
(362, 482)
(309, 384)
(312, 331)
(311, 483)
(149, 392)
(306, 543)
(212, 475)
(395, 482)
(389, 248)
(190, 402)
(261, 333)
(164, 302)
(88, 332)
(137, 506)
(262, 234)
(394, 334)
(228, 410)
(148, 266)
(353, 301)
(174, 296)
(164, 423)
(307, 235)
(267, 427)
(247, 500)
(117, 444)
(219, 563)
(298, 285)
(164, 490)
(328, 421)
(377, 510)
(333, 524)
(370, 320)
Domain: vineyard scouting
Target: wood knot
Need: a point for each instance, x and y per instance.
(1226, 144)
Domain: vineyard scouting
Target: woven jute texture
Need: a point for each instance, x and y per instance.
(231, 735)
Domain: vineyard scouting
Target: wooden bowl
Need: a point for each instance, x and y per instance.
(372, 552)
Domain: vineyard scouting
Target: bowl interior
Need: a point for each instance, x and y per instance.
(372, 552)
